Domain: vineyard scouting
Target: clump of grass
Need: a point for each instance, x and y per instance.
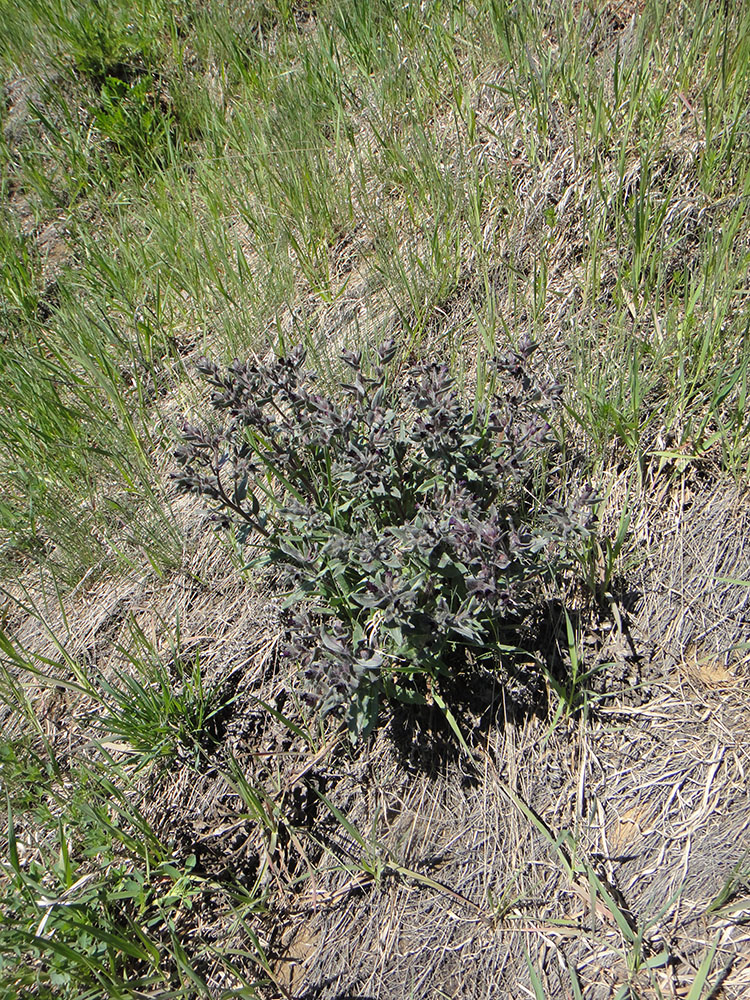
(97, 899)
(98, 908)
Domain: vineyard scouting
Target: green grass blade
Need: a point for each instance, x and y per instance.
(696, 990)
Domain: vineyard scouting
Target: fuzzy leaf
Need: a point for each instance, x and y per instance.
(388, 511)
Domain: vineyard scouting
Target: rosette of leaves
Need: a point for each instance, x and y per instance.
(404, 524)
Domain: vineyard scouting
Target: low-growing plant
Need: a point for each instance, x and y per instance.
(104, 38)
(405, 525)
(129, 115)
